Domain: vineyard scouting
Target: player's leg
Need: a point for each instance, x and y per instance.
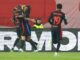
(22, 43)
(18, 39)
(15, 43)
(58, 46)
(59, 32)
(28, 37)
(57, 41)
(33, 44)
(53, 33)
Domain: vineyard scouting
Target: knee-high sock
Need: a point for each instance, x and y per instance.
(17, 40)
(33, 44)
(58, 46)
(22, 44)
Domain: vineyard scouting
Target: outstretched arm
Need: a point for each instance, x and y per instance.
(29, 19)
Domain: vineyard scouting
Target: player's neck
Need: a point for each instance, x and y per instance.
(58, 9)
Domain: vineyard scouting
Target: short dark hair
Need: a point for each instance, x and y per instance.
(59, 6)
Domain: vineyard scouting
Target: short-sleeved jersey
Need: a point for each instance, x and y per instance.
(56, 18)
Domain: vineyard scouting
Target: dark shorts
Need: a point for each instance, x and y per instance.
(26, 32)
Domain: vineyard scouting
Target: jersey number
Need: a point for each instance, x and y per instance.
(56, 20)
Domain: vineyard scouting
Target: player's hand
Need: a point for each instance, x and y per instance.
(33, 20)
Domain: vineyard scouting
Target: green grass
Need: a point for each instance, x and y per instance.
(39, 56)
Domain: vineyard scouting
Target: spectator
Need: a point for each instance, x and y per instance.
(38, 24)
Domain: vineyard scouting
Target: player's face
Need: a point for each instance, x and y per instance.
(38, 22)
(58, 9)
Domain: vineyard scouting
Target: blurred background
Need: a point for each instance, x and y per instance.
(41, 9)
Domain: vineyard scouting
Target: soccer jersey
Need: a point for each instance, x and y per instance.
(55, 20)
(23, 25)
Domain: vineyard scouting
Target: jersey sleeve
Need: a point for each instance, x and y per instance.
(64, 18)
(50, 18)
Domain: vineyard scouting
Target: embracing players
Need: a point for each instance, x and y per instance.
(21, 19)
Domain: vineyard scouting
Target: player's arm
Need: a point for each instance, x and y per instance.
(14, 19)
(50, 18)
(29, 19)
(14, 12)
(65, 20)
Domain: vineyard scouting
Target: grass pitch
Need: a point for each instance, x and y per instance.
(39, 56)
